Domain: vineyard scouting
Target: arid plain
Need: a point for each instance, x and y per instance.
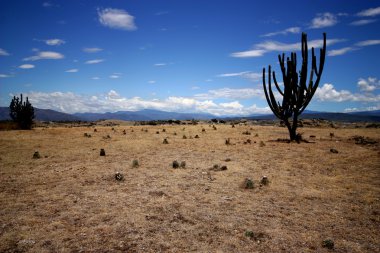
(68, 200)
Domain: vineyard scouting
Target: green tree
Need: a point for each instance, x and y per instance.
(21, 112)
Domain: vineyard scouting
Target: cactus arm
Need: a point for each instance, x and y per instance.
(271, 96)
(276, 84)
(267, 97)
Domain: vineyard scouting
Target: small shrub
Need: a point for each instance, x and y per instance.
(135, 163)
(95, 130)
(203, 130)
(228, 141)
(174, 133)
(233, 125)
(257, 236)
(332, 135)
(248, 183)
(157, 132)
(262, 144)
(217, 167)
(102, 152)
(36, 155)
(246, 133)
(228, 160)
(119, 176)
(183, 164)
(264, 180)
(214, 127)
(249, 234)
(175, 164)
(184, 137)
(124, 132)
(224, 167)
(256, 135)
(328, 243)
(333, 150)
(165, 141)
(164, 130)
(196, 136)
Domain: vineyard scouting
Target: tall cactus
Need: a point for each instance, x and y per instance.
(297, 91)
(21, 112)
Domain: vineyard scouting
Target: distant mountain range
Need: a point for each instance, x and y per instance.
(42, 115)
(366, 116)
(146, 115)
(143, 115)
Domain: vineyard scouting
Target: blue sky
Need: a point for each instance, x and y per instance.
(185, 56)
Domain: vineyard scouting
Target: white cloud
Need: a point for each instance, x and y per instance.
(368, 85)
(3, 52)
(328, 93)
(151, 81)
(92, 49)
(269, 46)
(55, 42)
(160, 13)
(229, 93)
(72, 70)
(362, 109)
(95, 61)
(324, 20)
(284, 32)
(4, 76)
(45, 55)
(114, 76)
(26, 66)
(95, 78)
(363, 22)
(340, 51)
(369, 12)
(117, 19)
(368, 43)
(249, 53)
(47, 4)
(160, 64)
(112, 101)
(245, 74)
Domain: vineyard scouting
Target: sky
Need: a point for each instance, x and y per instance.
(183, 55)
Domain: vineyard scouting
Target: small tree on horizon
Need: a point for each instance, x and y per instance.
(297, 92)
(21, 112)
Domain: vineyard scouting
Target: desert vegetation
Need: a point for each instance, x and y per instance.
(298, 90)
(131, 193)
(21, 112)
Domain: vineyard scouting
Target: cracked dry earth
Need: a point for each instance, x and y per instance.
(69, 201)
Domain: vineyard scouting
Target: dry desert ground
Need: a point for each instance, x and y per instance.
(68, 200)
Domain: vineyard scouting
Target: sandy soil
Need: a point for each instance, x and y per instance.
(69, 201)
